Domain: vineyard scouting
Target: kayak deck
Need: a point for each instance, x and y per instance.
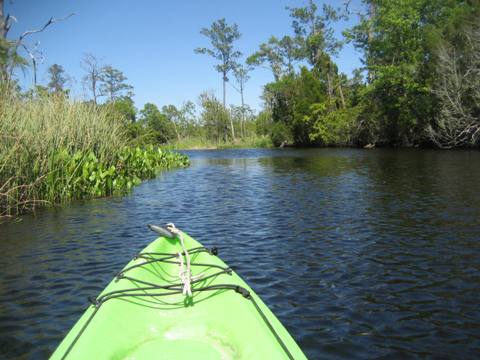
(142, 313)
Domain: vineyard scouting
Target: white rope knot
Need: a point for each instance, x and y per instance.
(185, 274)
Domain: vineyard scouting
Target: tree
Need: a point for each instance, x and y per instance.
(157, 122)
(9, 49)
(241, 76)
(93, 76)
(112, 83)
(313, 33)
(315, 38)
(215, 117)
(222, 37)
(174, 115)
(189, 124)
(268, 53)
(279, 54)
(125, 107)
(458, 90)
(288, 52)
(58, 79)
(396, 40)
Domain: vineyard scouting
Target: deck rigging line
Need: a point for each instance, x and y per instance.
(185, 286)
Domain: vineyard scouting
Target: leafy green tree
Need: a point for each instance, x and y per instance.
(58, 79)
(278, 54)
(293, 97)
(315, 38)
(395, 38)
(124, 106)
(113, 85)
(215, 117)
(9, 60)
(313, 32)
(157, 122)
(263, 123)
(174, 116)
(190, 123)
(222, 37)
(242, 76)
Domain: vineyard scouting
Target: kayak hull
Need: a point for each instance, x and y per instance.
(131, 319)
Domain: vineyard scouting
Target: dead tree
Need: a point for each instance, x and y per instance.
(93, 75)
(458, 91)
(12, 46)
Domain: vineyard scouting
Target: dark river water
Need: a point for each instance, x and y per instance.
(360, 253)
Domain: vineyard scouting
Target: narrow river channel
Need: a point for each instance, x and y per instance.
(361, 254)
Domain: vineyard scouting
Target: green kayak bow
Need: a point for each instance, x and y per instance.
(177, 300)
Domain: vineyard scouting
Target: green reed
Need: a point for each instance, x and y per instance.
(54, 150)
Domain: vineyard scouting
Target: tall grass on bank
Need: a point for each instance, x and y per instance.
(201, 143)
(54, 150)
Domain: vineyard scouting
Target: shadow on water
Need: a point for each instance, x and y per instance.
(361, 254)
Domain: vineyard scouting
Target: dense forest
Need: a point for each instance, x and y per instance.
(419, 84)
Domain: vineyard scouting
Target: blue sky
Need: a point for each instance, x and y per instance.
(152, 42)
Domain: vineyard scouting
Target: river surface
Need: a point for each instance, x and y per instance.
(360, 253)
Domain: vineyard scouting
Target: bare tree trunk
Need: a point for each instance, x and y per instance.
(3, 36)
(225, 104)
(176, 130)
(329, 85)
(93, 69)
(34, 66)
(34, 63)
(3, 23)
(231, 125)
(242, 124)
(341, 96)
(224, 90)
(94, 91)
(372, 11)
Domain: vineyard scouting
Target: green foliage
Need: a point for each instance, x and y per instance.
(313, 35)
(200, 142)
(53, 150)
(124, 108)
(58, 79)
(113, 85)
(83, 175)
(400, 41)
(292, 99)
(158, 123)
(279, 54)
(412, 50)
(215, 118)
(221, 36)
(281, 134)
(332, 127)
(9, 60)
(263, 123)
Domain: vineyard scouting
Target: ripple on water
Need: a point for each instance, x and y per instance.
(360, 254)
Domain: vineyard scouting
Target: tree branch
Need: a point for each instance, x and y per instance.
(47, 24)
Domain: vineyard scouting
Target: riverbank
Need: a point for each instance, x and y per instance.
(200, 143)
(53, 150)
